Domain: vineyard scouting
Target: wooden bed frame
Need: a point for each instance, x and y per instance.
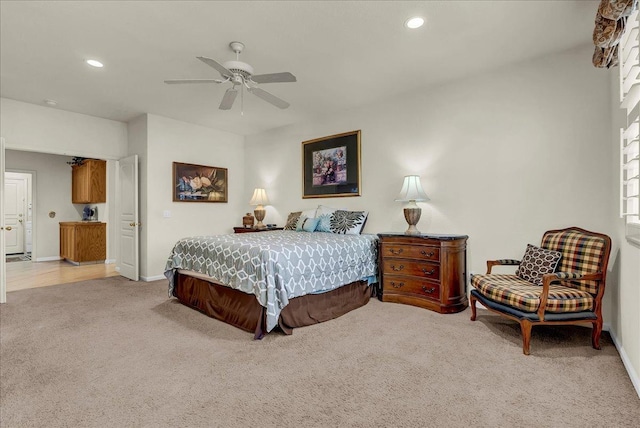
(243, 310)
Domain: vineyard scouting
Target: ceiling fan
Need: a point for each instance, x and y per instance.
(241, 74)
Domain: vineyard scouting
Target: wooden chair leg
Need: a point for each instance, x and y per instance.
(595, 334)
(525, 327)
(472, 303)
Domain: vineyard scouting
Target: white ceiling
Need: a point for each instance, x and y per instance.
(343, 53)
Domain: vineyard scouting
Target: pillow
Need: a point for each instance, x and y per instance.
(536, 262)
(324, 223)
(306, 224)
(309, 213)
(292, 220)
(346, 222)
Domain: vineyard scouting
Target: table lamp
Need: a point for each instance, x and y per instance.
(259, 198)
(412, 192)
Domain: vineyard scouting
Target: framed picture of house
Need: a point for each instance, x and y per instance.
(331, 166)
(199, 183)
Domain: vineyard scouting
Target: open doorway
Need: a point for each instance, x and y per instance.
(18, 215)
(51, 204)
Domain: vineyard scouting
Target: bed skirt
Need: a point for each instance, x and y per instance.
(242, 310)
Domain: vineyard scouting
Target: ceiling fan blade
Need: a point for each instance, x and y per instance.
(228, 99)
(176, 81)
(213, 63)
(270, 98)
(274, 78)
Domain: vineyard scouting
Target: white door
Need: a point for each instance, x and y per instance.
(3, 270)
(15, 194)
(129, 225)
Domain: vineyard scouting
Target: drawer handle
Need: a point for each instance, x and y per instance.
(429, 254)
(396, 252)
(428, 272)
(397, 284)
(428, 290)
(397, 269)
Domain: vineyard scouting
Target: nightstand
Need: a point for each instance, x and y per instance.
(249, 229)
(424, 270)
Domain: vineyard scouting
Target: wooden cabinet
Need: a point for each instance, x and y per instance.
(429, 271)
(89, 182)
(249, 229)
(83, 241)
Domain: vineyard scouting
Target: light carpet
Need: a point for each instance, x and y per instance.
(115, 353)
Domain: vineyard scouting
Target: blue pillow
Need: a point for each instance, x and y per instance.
(306, 224)
(310, 225)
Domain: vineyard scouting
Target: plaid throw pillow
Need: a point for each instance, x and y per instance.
(537, 262)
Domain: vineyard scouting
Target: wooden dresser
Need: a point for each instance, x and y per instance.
(83, 241)
(424, 270)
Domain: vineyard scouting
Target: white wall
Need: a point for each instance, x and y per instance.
(174, 141)
(52, 193)
(35, 128)
(503, 156)
(623, 289)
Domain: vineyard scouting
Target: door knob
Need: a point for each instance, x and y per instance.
(8, 228)
(20, 220)
(132, 224)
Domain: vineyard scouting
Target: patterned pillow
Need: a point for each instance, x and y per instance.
(323, 214)
(324, 223)
(348, 222)
(536, 262)
(292, 220)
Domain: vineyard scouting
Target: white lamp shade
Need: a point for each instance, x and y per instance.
(412, 190)
(259, 197)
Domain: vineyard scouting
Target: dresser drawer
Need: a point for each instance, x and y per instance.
(407, 285)
(415, 252)
(409, 267)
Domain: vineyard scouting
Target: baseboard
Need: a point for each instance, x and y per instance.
(48, 259)
(152, 278)
(635, 380)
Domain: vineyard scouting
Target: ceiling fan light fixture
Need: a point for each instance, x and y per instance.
(414, 22)
(239, 73)
(239, 67)
(94, 63)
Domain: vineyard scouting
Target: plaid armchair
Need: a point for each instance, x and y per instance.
(570, 294)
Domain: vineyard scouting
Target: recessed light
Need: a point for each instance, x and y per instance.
(51, 103)
(94, 63)
(415, 22)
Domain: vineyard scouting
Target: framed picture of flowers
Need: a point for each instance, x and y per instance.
(199, 183)
(331, 166)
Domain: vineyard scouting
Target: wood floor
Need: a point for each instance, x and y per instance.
(21, 275)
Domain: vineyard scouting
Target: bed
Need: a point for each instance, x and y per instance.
(285, 279)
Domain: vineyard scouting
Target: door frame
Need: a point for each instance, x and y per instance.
(3, 262)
